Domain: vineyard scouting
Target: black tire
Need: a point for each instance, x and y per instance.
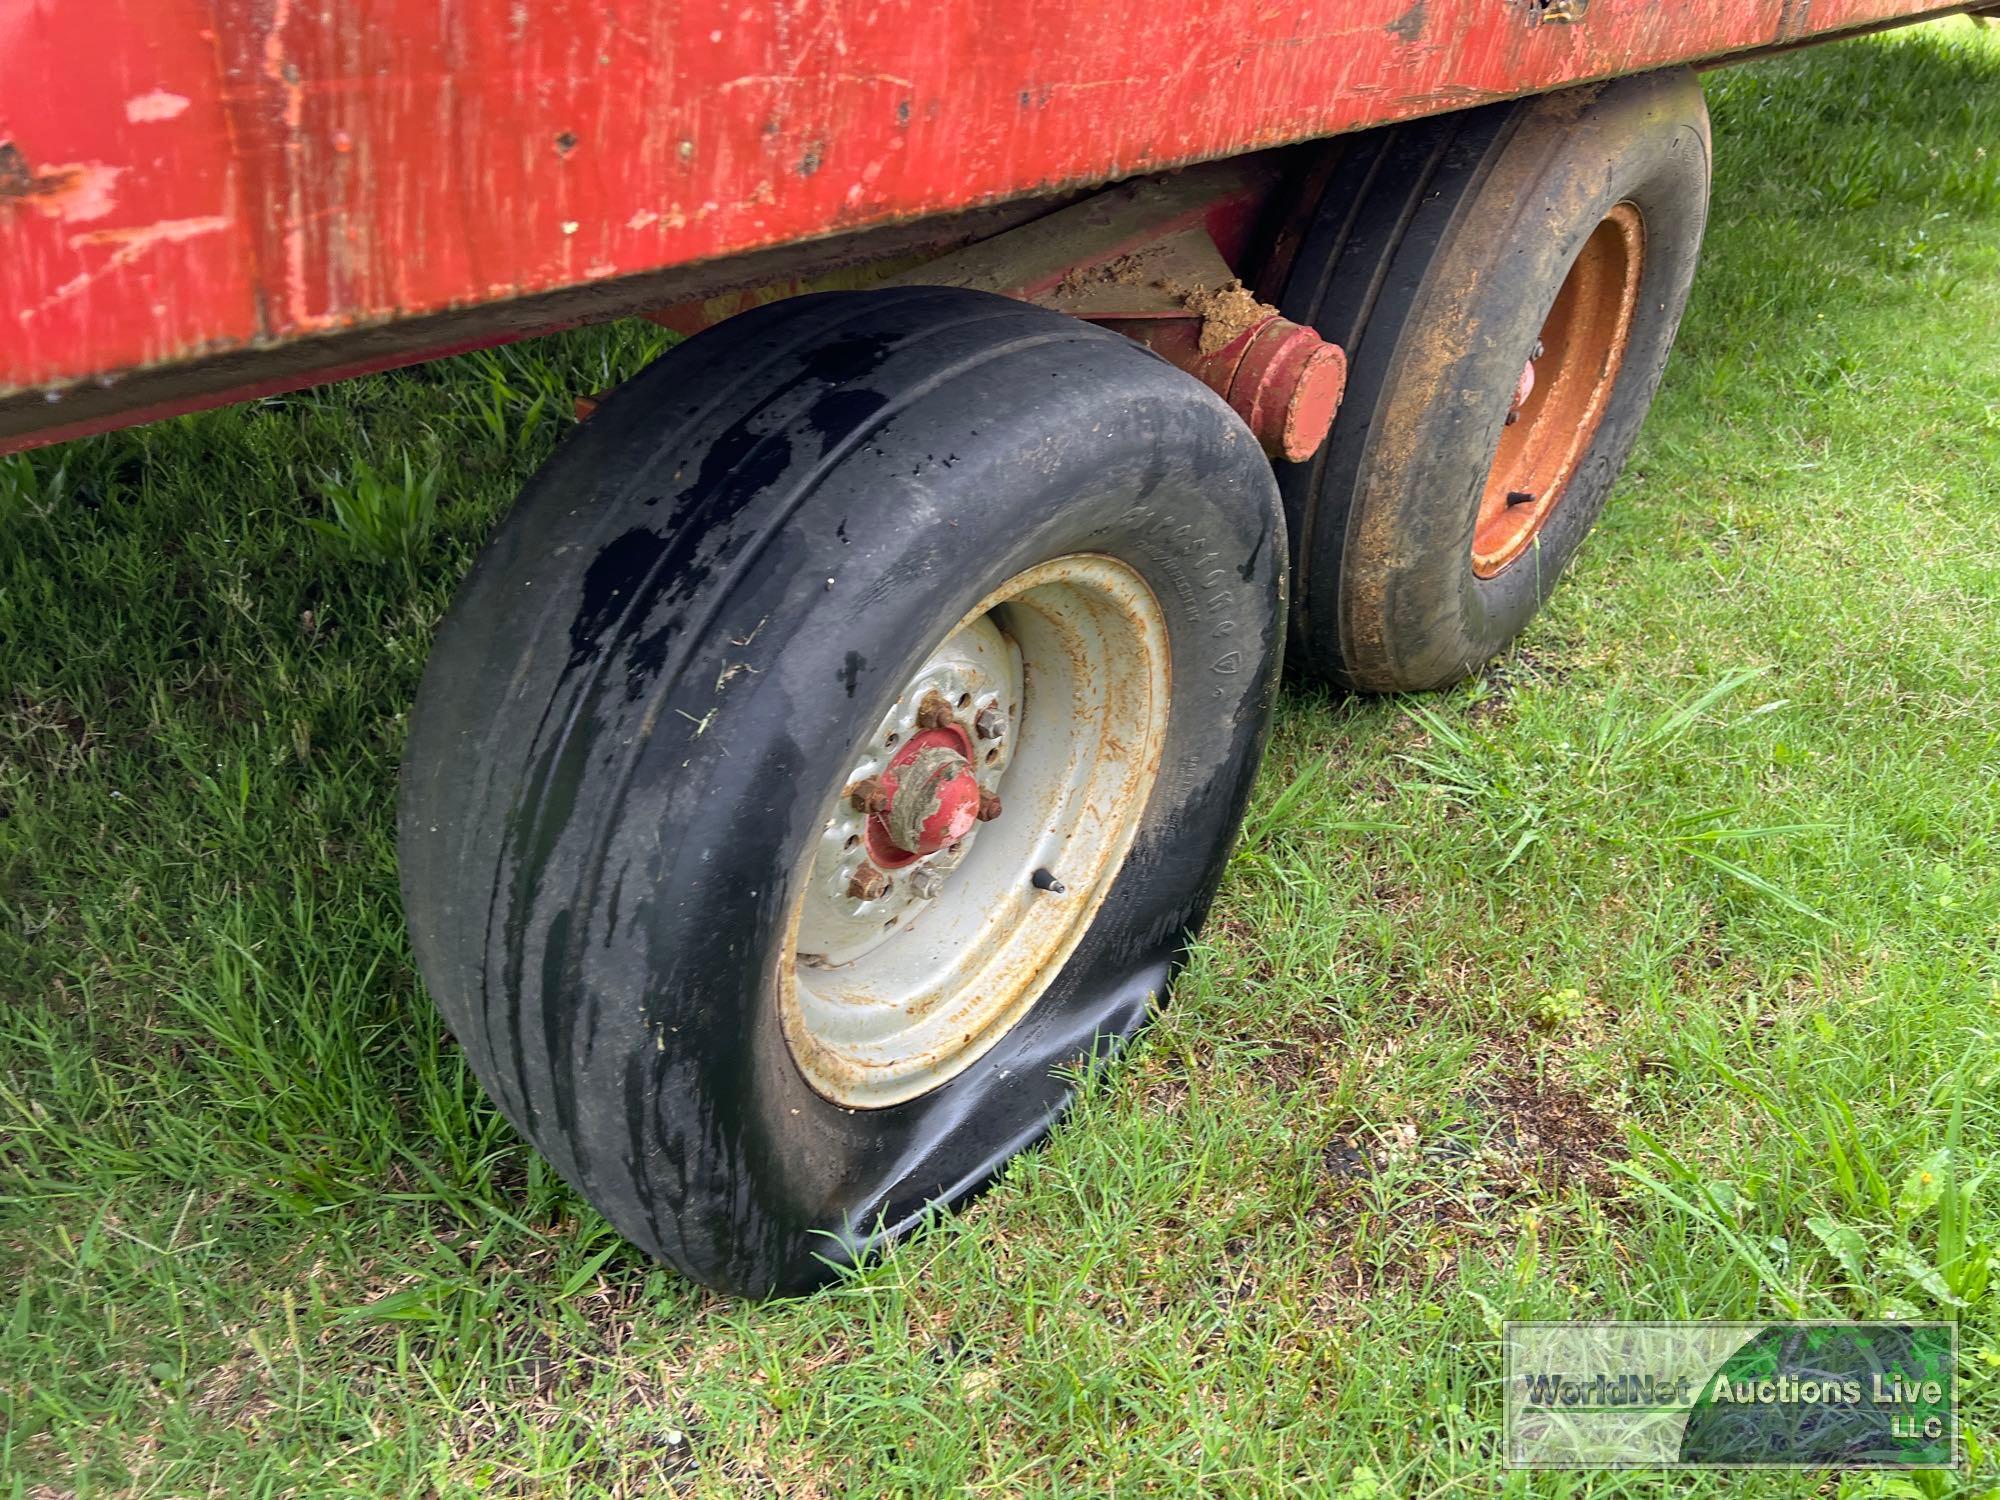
(1433, 258)
(635, 711)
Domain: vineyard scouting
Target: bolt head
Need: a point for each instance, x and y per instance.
(868, 884)
(989, 806)
(868, 796)
(933, 712)
(925, 883)
(991, 723)
(1537, 351)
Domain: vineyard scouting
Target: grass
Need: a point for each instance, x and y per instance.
(1653, 974)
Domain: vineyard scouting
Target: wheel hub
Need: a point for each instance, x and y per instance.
(932, 797)
(915, 798)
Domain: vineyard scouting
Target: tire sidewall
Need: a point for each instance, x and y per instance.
(689, 1121)
(1413, 611)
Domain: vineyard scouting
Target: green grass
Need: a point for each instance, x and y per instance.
(1653, 974)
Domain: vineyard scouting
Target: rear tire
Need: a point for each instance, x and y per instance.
(693, 641)
(1439, 254)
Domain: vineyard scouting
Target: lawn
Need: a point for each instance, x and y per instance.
(1656, 973)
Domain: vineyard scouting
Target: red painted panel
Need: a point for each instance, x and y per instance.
(179, 177)
(123, 234)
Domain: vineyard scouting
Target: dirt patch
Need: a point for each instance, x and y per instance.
(49, 732)
(1140, 268)
(1227, 312)
(1290, 1063)
(1567, 107)
(1506, 676)
(1705, 963)
(1401, 1198)
(1523, 1131)
(1245, 955)
(1344, 1163)
(1542, 1134)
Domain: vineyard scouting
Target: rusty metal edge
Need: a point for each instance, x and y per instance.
(1874, 28)
(32, 418)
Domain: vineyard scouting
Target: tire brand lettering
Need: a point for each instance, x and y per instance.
(1198, 573)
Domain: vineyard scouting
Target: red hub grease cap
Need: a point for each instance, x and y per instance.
(932, 793)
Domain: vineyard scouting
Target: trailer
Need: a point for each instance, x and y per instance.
(837, 746)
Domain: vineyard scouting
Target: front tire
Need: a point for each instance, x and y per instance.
(690, 654)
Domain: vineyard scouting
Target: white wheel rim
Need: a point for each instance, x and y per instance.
(886, 997)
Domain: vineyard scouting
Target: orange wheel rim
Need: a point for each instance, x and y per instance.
(1564, 392)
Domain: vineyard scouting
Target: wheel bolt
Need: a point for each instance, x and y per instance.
(868, 796)
(868, 884)
(925, 882)
(991, 723)
(933, 712)
(989, 806)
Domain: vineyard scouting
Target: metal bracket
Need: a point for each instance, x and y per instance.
(1141, 260)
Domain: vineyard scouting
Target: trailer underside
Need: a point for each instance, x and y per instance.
(252, 195)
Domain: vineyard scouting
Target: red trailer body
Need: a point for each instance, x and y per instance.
(206, 199)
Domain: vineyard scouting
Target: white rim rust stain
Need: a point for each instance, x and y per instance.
(941, 977)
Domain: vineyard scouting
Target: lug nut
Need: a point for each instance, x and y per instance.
(925, 882)
(868, 884)
(991, 723)
(989, 806)
(868, 796)
(933, 712)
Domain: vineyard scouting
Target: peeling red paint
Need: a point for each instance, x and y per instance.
(127, 246)
(141, 257)
(75, 192)
(267, 171)
(150, 109)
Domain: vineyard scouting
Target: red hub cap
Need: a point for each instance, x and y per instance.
(929, 798)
